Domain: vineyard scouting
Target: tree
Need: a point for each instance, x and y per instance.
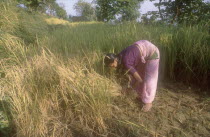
(179, 11)
(150, 17)
(85, 10)
(36, 4)
(108, 9)
(49, 6)
(105, 10)
(60, 12)
(129, 10)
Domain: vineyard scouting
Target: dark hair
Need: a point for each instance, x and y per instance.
(109, 58)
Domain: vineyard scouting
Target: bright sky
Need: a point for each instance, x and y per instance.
(69, 6)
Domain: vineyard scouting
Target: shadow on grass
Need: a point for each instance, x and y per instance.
(7, 128)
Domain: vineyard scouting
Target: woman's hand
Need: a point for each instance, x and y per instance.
(137, 83)
(137, 77)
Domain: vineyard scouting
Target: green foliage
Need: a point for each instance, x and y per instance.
(184, 49)
(129, 10)
(44, 6)
(85, 10)
(36, 4)
(184, 11)
(108, 9)
(60, 12)
(149, 20)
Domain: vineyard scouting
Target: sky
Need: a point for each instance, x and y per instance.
(69, 6)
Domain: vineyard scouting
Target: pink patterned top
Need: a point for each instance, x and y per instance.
(148, 50)
(130, 57)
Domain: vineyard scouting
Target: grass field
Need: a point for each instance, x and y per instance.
(53, 81)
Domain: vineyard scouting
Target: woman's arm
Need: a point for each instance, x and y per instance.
(129, 63)
(137, 77)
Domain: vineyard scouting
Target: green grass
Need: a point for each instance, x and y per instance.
(184, 50)
(55, 84)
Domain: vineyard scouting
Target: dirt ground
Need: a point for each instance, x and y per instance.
(178, 111)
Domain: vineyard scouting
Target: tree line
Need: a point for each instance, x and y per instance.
(45, 6)
(180, 11)
(169, 11)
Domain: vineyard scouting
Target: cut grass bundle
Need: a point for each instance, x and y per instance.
(54, 98)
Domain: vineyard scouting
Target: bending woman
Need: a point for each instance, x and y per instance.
(141, 59)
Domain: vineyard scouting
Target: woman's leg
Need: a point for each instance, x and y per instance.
(150, 81)
(141, 71)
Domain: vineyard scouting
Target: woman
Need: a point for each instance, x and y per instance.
(141, 60)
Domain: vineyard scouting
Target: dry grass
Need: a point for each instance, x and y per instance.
(178, 111)
(50, 98)
(56, 21)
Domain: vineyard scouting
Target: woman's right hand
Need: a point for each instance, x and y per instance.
(137, 77)
(137, 83)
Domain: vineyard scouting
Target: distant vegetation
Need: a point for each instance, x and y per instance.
(50, 7)
(169, 11)
(180, 11)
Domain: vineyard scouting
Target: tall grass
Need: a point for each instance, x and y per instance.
(184, 49)
(54, 78)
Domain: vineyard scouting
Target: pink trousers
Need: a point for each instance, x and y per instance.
(149, 73)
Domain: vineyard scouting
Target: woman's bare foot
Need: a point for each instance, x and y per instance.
(146, 107)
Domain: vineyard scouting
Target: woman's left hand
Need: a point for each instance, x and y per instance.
(137, 83)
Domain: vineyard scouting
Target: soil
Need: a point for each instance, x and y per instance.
(177, 111)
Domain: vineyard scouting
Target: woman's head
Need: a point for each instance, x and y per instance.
(111, 60)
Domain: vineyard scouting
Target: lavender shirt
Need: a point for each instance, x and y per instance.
(130, 58)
